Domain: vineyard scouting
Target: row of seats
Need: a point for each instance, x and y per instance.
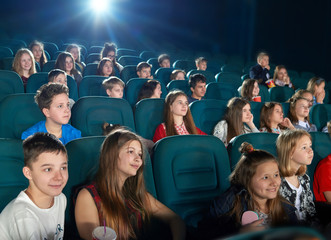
(185, 173)
(19, 112)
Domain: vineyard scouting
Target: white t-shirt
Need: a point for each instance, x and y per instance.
(297, 200)
(22, 219)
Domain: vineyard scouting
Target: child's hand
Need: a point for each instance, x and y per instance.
(250, 122)
(254, 226)
(267, 67)
(286, 79)
(287, 123)
(320, 97)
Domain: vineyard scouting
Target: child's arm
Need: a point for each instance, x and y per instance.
(86, 214)
(176, 224)
(287, 123)
(251, 124)
(327, 196)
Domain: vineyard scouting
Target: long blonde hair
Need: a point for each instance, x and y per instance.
(17, 62)
(133, 192)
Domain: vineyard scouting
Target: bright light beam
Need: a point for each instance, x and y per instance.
(99, 6)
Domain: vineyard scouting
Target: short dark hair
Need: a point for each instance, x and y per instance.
(110, 82)
(147, 89)
(46, 92)
(142, 65)
(195, 78)
(163, 57)
(39, 143)
(54, 73)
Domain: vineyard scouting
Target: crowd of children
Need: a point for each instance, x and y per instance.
(277, 190)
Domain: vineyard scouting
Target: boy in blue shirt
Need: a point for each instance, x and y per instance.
(53, 101)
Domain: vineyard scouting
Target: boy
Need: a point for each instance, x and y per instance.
(59, 76)
(197, 84)
(53, 101)
(144, 70)
(114, 87)
(201, 63)
(164, 61)
(261, 70)
(38, 211)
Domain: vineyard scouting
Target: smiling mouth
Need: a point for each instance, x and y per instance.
(135, 166)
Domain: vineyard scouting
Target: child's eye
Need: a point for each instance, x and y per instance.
(47, 169)
(63, 168)
(265, 177)
(276, 175)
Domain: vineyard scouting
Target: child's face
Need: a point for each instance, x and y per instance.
(264, 61)
(48, 175)
(302, 153)
(61, 78)
(202, 65)
(180, 106)
(69, 64)
(282, 73)
(75, 53)
(26, 62)
(180, 76)
(59, 111)
(256, 90)
(144, 73)
(301, 109)
(129, 160)
(157, 92)
(111, 55)
(107, 69)
(37, 52)
(309, 98)
(320, 88)
(246, 113)
(199, 91)
(165, 63)
(265, 182)
(277, 115)
(116, 91)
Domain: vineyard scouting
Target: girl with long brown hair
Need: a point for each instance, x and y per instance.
(117, 197)
(178, 119)
(255, 183)
(237, 114)
(37, 49)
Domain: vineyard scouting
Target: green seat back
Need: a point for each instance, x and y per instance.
(181, 85)
(229, 77)
(92, 86)
(185, 65)
(145, 55)
(320, 114)
(128, 72)
(10, 83)
(264, 93)
(148, 115)
(93, 57)
(89, 113)
(7, 63)
(18, 112)
(50, 65)
(163, 75)
(38, 79)
(12, 180)
(90, 69)
(280, 94)
(5, 52)
(210, 76)
(256, 111)
(221, 91)
(207, 113)
(129, 60)
(189, 171)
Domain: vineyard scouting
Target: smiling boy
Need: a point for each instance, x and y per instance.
(38, 211)
(53, 101)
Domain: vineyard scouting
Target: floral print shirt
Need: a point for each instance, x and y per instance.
(307, 206)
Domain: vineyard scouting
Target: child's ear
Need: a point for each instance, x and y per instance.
(108, 92)
(45, 112)
(27, 172)
(192, 89)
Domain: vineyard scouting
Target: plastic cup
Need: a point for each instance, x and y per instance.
(99, 233)
(270, 83)
(257, 99)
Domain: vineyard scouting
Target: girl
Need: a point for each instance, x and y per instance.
(281, 77)
(250, 90)
(178, 74)
(109, 51)
(74, 49)
(37, 49)
(237, 114)
(24, 64)
(316, 87)
(294, 154)
(66, 62)
(272, 118)
(150, 89)
(118, 197)
(177, 117)
(305, 94)
(299, 114)
(105, 68)
(255, 182)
